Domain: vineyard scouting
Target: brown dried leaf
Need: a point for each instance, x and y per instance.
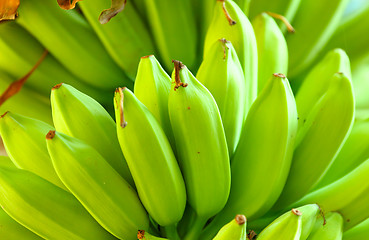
(16, 86)
(67, 4)
(116, 7)
(8, 9)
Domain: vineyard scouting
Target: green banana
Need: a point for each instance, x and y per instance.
(126, 27)
(353, 153)
(174, 30)
(152, 87)
(310, 213)
(314, 27)
(235, 229)
(271, 46)
(201, 144)
(88, 175)
(25, 101)
(38, 17)
(231, 23)
(221, 73)
(94, 126)
(46, 209)
(268, 136)
(20, 52)
(319, 139)
(156, 172)
(286, 8)
(24, 139)
(360, 74)
(359, 232)
(328, 228)
(287, 226)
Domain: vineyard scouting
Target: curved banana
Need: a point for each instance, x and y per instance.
(310, 213)
(24, 139)
(201, 144)
(288, 226)
(92, 63)
(231, 23)
(94, 125)
(315, 22)
(174, 29)
(95, 184)
(359, 232)
(152, 87)
(319, 139)
(360, 72)
(235, 229)
(46, 209)
(156, 172)
(127, 28)
(329, 228)
(272, 48)
(352, 154)
(268, 136)
(221, 73)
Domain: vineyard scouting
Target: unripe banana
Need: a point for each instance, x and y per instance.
(320, 139)
(201, 144)
(235, 229)
(24, 139)
(230, 22)
(268, 136)
(95, 184)
(86, 58)
(156, 172)
(314, 27)
(126, 27)
(287, 226)
(310, 212)
(328, 228)
(94, 125)
(174, 29)
(152, 87)
(359, 232)
(272, 48)
(221, 73)
(46, 209)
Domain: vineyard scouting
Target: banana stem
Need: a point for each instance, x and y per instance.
(195, 229)
(171, 232)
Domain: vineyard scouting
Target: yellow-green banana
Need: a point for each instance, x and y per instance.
(318, 141)
(315, 22)
(235, 229)
(126, 27)
(100, 189)
(329, 227)
(46, 209)
(359, 232)
(152, 87)
(174, 29)
(272, 48)
(86, 57)
(221, 73)
(93, 125)
(231, 23)
(24, 141)
(201, 146)
(264, 153)
(156, 172)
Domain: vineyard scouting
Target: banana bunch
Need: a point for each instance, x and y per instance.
(226, 148)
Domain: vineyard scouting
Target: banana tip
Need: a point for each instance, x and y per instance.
(50, 135)
(141, 234)
(147, 56)
(280, 75)
(296, 212)
(4, 114)
(57, 86)
(240, 219)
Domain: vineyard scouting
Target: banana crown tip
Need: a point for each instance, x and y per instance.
(280, 75)
(3, 115)
(50, 135)
(296, 212)
(178, 66)
(240, 219)
(57, 86)
(141, 234)
(147, 56)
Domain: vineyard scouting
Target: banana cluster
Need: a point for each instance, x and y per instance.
(233, 152)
